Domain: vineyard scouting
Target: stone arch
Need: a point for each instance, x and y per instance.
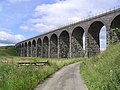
(25, 49)
(115, 24)
(29, 48)
(34, 48)
(22, 49)
(45, 47)
(54, 46)
(64, 45)
(39, 48)
(93, 40)
(19, 50)
(77, 43)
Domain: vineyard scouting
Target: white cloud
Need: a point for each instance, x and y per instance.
(2, 44)
(42, 28)
(49, 16)
(8, 38)
(24, 27)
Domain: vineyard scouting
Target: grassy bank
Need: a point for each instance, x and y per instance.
(7, 51)
(13, 77)
(103, 72)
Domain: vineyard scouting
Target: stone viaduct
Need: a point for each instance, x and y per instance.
(67, 41)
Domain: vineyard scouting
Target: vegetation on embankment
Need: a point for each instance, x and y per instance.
(103, 72)
(7, 51)
(13, 77)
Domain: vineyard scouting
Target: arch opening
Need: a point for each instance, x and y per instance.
(103, 38)
(34, 48)
(25, 49)
(54, 46)
(39, 48)
(18, 48)
(115, 29)
(95, 38)
(29, 49)
(45, 47)
(64, 45)
(77, 43)
(22, 49)
(84, 45)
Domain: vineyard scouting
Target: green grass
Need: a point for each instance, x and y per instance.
(103, 72)
(7, 51)
(13, 77)
(100, 73)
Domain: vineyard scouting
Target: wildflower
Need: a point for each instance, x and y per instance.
(94, 65)
(111, 72)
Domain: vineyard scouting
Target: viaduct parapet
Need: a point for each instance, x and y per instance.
(67, 41)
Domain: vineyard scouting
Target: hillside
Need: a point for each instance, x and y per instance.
(7, 51)
(103, 72)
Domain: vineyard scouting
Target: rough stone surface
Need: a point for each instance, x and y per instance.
(45, 47)
(64, 45)
(34, 48)
(77, 43)
(54, 46)
(39, 48)
(29, 49)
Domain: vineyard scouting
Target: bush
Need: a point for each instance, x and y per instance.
(115, 33)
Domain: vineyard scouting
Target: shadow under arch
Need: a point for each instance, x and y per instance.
(45, 47)
(54, 46)
(77, 43)
(64, 45)
(29, 48)
(18, 47)
(115, 25)
(33, 48)
(39, 48)
(22, 49)
(93, 40)
(25, 49)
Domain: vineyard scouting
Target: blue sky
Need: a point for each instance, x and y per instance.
(22, 19)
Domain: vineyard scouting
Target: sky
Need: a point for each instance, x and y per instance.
(23, 19)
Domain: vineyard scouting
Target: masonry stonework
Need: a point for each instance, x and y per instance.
(67, 42)
(53, 46)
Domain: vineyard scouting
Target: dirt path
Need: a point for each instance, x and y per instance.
(68, 78)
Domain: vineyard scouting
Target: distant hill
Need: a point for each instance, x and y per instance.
(7, 51)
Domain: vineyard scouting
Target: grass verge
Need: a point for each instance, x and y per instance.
(103, 72)
(13, 77)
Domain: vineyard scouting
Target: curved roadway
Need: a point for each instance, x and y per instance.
(68, 78)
